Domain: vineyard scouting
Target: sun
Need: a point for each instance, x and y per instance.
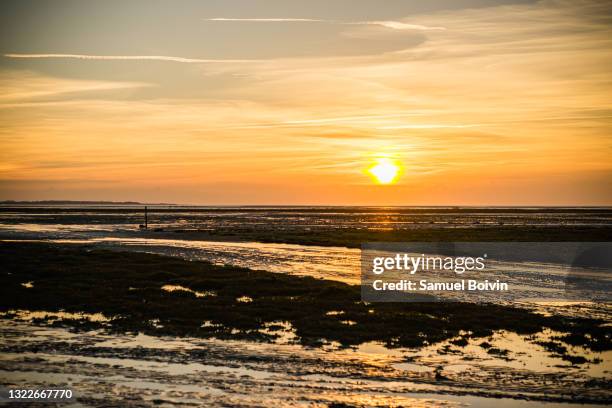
(385, 171)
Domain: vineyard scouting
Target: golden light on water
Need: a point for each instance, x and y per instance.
(385, 171)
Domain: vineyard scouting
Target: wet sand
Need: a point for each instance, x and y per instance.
(138, 330)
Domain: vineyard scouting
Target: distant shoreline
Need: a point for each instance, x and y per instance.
(128, 206)
(70, 202)
(51, 203)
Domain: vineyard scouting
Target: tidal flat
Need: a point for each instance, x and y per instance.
(100, 299)
(324, 226)
(161, 295)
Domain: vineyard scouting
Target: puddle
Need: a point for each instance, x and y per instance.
(51, 316)
(516, 352)
(175, 288)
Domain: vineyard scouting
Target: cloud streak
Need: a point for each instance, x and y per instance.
(398, 25)
(129, 58)
(394, 25)
(270, 20)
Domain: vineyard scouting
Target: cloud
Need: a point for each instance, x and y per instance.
(129, 58)
(270, 20)
(425, 126)
(397, 25)
(394, 25)
(23, 89)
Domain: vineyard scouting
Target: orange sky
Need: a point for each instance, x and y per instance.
(500, 104)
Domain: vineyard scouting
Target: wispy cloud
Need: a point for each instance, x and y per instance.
(27, 89)
(425, 126)
(129, 58)
(271, 20)
(398, 25)
(394, 25)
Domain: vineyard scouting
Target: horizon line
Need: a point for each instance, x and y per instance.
(138, 203)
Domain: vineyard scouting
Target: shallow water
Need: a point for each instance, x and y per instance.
(142, 369)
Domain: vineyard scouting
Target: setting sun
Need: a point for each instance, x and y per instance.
(385, 171)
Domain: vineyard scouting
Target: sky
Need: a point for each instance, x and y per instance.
(277, 102)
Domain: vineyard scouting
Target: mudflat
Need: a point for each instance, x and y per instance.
(161, 295)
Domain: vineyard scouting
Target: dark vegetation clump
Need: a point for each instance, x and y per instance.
(461, 342)
(485, 345)
(561, 351)
(498, 352)
(126, 287)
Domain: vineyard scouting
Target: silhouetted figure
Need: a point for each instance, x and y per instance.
(146, 220)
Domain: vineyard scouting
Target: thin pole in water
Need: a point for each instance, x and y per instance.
(146, 218)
